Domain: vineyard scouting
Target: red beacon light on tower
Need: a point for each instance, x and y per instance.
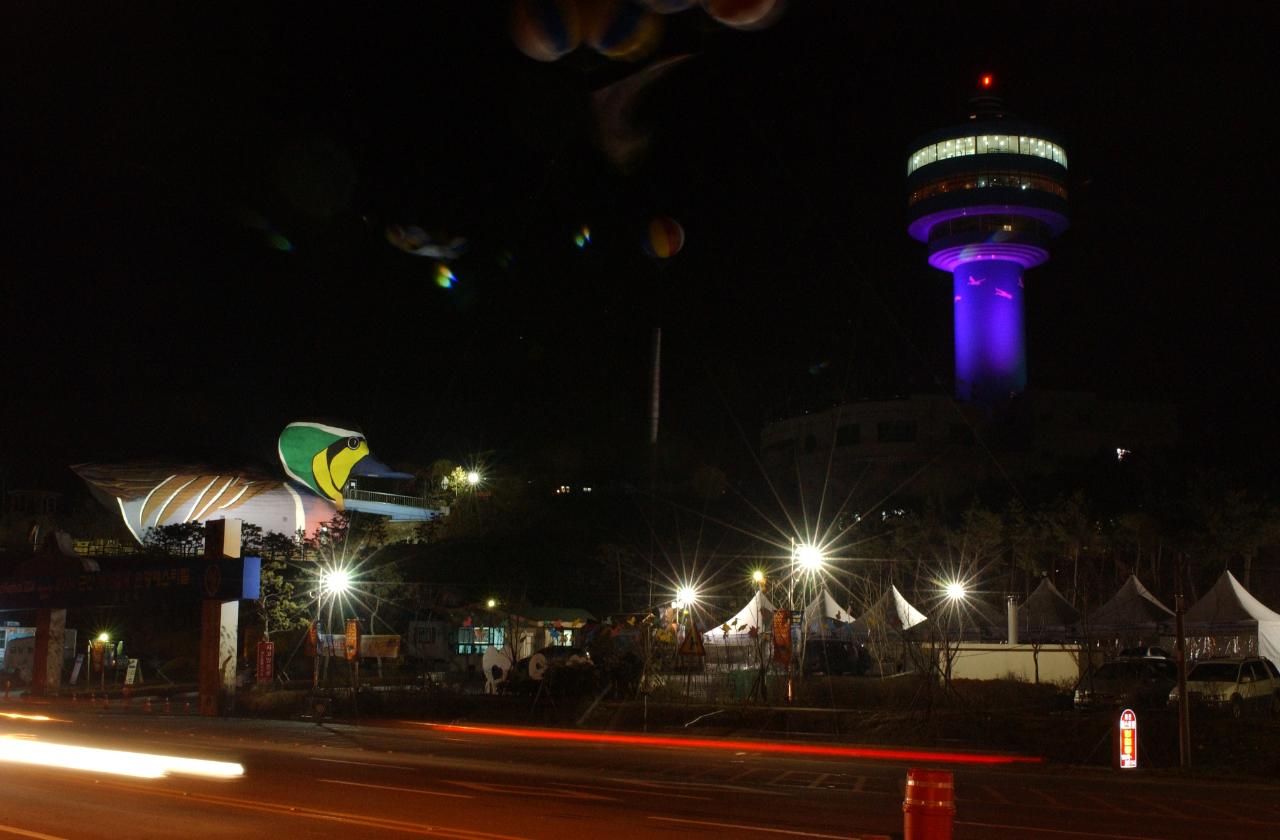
(987, 81)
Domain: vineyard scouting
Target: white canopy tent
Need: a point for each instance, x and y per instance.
(1227, 620)
(757, 614)
(1132, 612)
(891, 611)
(1046, 615)
(824, 615)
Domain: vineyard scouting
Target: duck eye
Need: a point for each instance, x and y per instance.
(354, 442)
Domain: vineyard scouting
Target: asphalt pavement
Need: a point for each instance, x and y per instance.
(405, 778)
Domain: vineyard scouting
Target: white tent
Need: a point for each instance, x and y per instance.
(1227, 617)
(757, 614)
(1046, 615)
(1133, 611)
(823, 611)
(891, 611)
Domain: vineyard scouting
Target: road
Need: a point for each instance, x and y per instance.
(404, 778)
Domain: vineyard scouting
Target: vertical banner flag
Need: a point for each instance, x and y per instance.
(353, 638)
(782, 637)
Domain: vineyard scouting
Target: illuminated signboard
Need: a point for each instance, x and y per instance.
(1128, 752)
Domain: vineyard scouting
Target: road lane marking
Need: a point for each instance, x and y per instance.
(315, 814)
(398, 789)
(528, 790)
(632, 791)
(1103, 803)
(995, 794)
(361, 763)
(743, 827)
(1053, 803)
(708, 786)
(22, 832)
(1062, 831)
(1147, 802)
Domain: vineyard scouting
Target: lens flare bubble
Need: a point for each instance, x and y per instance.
(445, 278)
(545, 30)
(621, 30)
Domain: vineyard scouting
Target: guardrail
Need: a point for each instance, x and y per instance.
(386, 498)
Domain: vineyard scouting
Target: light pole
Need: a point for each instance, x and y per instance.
(332, 582)
(811, 559)
(956, 593)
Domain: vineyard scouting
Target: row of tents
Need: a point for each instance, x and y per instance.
(1227, 620)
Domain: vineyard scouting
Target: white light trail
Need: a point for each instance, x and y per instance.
(16, 750)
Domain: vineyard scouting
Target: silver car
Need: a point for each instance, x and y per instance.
(1234, 685)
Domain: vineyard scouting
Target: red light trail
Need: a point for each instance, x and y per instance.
(879, 753)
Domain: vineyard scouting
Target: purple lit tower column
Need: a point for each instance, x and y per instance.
(990, 335)
(987, 196)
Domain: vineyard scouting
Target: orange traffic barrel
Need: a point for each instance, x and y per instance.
(929, 805)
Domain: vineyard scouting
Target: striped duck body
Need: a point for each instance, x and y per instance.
(318, 461)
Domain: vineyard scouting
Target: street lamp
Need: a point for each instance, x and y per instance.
(956, 591)
(491, 603)
(473, 478)
(335, 582)
(332, 583)
(809, 557)
(685, 597)
(103, 637)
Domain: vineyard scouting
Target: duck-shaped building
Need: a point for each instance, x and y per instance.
(321, 463)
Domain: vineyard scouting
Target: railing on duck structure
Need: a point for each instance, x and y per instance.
(385, 498)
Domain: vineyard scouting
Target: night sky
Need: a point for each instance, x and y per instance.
(143, 315)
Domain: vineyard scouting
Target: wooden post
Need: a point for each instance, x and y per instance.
(51, 628)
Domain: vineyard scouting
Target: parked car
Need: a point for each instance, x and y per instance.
(834, 657)
(1236, 685)
(1135, 682)
(1148, 652)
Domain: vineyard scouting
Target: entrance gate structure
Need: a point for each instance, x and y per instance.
(216, 582)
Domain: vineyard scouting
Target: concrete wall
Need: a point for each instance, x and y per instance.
(1057, 663)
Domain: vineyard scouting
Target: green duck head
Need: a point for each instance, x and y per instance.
(322, 458)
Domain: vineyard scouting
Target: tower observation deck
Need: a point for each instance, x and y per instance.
(987, 196)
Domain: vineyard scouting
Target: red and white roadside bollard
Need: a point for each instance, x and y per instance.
(929, 806)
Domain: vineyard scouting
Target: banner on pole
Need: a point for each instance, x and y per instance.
(266, 661)
(353, 638)
(782, 637)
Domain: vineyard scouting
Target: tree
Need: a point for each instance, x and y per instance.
(250, 539)
(184, 539)
(279, 606)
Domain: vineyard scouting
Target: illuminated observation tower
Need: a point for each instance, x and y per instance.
(987, 196)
